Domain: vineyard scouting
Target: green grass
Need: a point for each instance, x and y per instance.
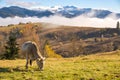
(105, 66)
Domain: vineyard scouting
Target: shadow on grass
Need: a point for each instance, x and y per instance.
(17, 69)
(4, 69)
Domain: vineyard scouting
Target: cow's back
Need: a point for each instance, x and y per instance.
(30, 48)
(26, 46)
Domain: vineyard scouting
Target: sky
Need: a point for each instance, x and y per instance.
(113, 5)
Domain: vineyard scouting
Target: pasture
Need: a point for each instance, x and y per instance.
(104, 66)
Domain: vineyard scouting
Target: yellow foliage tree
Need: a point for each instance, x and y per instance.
(51, 53)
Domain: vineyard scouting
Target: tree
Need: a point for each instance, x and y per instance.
(118, 25)
(50, 52)
(11, 48)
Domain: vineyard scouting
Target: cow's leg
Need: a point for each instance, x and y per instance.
(30, 62)
(26, 62)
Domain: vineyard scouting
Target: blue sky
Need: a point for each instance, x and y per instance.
(113, 5)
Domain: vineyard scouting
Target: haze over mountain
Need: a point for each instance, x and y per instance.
(66, 15)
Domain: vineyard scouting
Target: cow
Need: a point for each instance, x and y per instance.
(31, 52)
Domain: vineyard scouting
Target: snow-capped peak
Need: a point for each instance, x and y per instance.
(46, 8)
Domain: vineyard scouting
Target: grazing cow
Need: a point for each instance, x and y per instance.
(31, 52)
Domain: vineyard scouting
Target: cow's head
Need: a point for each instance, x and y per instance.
(40, 63)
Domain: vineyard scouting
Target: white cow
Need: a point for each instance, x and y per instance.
(31, 52)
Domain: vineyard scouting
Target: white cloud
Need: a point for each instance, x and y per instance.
(21, 3)
(81, 21)
(16, 20)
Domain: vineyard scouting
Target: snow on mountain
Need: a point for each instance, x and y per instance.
(65, 11)
(72, 11)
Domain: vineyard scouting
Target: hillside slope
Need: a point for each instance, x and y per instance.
(67, 41)
(74, 41)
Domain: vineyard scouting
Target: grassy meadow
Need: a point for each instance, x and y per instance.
(104, 66)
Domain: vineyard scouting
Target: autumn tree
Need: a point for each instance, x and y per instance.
(50, 52)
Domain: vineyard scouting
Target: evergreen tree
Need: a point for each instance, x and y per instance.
(118, 25)
(11, 48)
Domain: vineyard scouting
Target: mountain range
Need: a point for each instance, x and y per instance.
(65, 11)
